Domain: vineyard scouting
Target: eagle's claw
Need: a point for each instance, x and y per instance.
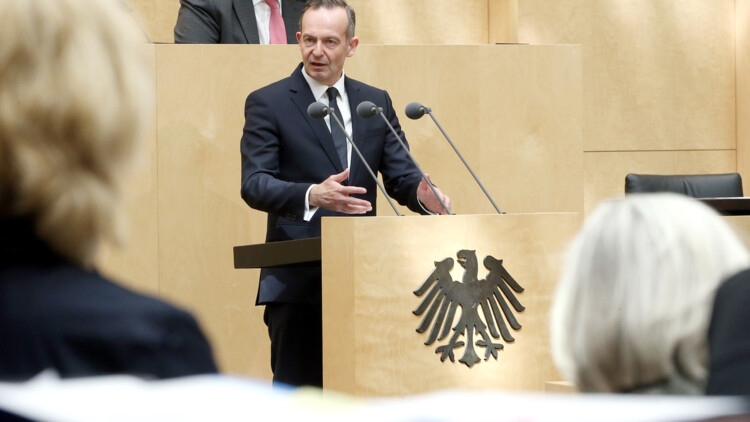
(491, 348)
(447, 351)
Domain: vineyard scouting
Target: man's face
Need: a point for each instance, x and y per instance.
(323, 44)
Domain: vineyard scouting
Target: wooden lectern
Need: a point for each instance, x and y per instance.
(371, 267)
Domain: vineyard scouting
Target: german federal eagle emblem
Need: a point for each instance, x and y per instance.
(445, 295)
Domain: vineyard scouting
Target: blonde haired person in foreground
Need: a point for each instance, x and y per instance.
(74, 90)
(634, 302)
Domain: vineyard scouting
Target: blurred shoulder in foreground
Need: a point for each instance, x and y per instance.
(729, 338)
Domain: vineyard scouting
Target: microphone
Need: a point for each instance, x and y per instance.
(415, 111)
(366, 110)
(318, 110)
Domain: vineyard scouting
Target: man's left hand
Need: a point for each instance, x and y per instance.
(428, 199)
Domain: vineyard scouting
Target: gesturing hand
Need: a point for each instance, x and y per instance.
(332, 195)
(428, 199)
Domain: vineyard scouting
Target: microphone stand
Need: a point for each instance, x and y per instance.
(415, 111)
(319, 110)
(365, 110)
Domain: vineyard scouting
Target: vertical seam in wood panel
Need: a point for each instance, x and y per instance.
(489, 22)
(156, 140)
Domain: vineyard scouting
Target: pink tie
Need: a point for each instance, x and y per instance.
(276, 24)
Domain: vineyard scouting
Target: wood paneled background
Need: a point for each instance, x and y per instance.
(604, 88)
(659, 84)
(742, 77)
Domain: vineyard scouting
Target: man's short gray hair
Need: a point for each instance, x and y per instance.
(332, 4)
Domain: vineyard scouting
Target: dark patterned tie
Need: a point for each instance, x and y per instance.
(339, 138)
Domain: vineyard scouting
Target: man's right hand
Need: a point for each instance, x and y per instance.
(332, 195)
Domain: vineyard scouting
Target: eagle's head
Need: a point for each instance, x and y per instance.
(467, 257)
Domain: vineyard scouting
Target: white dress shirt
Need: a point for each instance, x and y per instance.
(342, 103)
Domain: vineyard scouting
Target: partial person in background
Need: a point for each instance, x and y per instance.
(729, 338)
(74, 89)
(238, 21)
(632, 307)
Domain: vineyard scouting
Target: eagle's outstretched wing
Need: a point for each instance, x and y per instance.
(494, 292)
(437, 301)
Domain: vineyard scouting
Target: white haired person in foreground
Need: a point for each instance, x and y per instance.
(634, 302)
(75, 86)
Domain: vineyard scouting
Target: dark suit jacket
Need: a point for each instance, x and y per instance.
(229, 21)
(55, 315)
(284, 152)
(729, 338)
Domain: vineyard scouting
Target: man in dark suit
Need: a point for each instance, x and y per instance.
(233, 21)
(293, 170)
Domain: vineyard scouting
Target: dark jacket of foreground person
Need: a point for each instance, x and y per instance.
(729, 338)
(56, 315)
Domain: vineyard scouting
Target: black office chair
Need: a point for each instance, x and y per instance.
(694, 185)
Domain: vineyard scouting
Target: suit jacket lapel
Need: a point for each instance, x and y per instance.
(246, 15)
(302, 98)
(352, 91)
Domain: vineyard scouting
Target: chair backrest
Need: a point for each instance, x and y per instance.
(693, 185)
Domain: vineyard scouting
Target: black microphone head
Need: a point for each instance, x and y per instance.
(366, 109)
(415, 111)
(318, 110)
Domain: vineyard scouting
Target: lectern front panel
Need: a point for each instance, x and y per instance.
(372, 267)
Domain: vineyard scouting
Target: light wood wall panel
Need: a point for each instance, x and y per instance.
(658, 74)
(605, 172)
(503, 21)
(156, 17)
(381, 21)
(743, 90)
(514, 111)
(422, 21)
(531, 128)
(135, 263)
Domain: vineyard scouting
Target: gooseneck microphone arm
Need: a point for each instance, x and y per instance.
(366, 110)
(414, 111)
(318, 110)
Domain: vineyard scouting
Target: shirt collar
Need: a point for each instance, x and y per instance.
(319, 90)
(256, 2)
